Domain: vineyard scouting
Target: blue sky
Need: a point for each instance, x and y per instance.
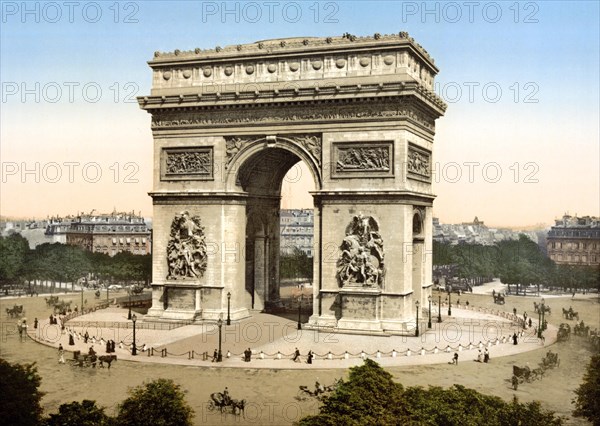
(543, 56)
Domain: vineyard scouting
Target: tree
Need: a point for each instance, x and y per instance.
(159, 403)
(85, 413)
(587, 402)
(13, 250)
(370, 396)
(20, 401)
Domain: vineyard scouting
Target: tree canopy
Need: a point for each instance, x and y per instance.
(587, 402)
(84, 413)
(520, 262)
(370, 396)
(66, 263)
(160, 402)
(20, 397)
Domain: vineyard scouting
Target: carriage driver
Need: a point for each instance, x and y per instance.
(226, 397)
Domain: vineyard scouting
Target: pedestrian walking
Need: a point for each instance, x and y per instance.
(61, 354)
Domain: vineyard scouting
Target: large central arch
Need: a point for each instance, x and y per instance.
(262, 166)
(229, 123)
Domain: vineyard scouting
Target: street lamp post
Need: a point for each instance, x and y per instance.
(417, 328)
(449, 303)
(134, 349)
(300, 310)
(129, 314)
(440, 308)
(81, 298)
(228, 308)
(429, 322)
(220, 354)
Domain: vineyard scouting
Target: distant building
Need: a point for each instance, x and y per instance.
(110, 233)
(297, 230)
(56, 229)
(51, 230)
(575, 241)
(475, 233)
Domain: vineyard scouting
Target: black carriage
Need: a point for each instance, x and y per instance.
(16, 311)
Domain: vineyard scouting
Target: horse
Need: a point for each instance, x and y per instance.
(238, 404)
(107, 359)
(218, 401)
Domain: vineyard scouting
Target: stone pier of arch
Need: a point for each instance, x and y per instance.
(229, 123)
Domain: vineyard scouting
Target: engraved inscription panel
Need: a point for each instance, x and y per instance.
(181, 298)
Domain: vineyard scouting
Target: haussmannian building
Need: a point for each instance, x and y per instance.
(575, 241)
(110, 233)
(297, 230)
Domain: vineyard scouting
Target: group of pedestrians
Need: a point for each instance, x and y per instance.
(297, 357)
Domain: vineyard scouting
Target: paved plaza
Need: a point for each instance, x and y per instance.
(274, 339)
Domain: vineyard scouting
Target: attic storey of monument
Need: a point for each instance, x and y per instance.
(229, 123)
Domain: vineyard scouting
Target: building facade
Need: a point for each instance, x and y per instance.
(297, 231)
(575, 241)
(110, 233)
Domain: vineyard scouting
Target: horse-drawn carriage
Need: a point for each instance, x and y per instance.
(136, 289)
(15, 312)
(499, 299)
(570, 314)
(90, 360)
(564, 332)
(523, 374)
(62, 307)
(551, 360)
(51, 301)
(541, 308)
(222, 401)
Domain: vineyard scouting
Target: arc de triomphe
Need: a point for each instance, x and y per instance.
(229, 123)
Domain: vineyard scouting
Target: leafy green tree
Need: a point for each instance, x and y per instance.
(20, 396)
(587, 402)
(85, 413)
(13, 251)
(371, 397)
(459, 405)
(296, 265)
(158, 403)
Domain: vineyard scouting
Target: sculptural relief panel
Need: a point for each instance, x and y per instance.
(373, 159)
(418, 163)
(189, 163)
(186, 249)
(361, 262)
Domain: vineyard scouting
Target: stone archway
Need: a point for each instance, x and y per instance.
(228, 123)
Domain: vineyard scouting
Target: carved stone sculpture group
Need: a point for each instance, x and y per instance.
(361, 261)
(186, 250)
